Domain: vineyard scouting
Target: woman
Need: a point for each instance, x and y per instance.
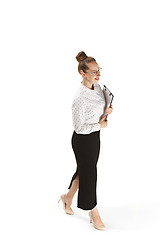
(87, 114)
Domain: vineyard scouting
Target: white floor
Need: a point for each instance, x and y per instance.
(132, 221)
(42, 217)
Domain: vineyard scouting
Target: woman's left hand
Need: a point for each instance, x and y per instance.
(109, 110)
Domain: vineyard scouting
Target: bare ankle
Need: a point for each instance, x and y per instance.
(69, 197)
(95, 212)
(94, 209)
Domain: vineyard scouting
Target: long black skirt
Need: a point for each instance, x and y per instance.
(86, 149)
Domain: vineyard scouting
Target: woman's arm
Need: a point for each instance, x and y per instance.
(78, 117)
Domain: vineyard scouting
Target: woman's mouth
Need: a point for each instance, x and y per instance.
(97, 79)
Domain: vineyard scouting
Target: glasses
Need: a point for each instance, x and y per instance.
(95, 72)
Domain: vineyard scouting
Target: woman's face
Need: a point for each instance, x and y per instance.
(91, 74)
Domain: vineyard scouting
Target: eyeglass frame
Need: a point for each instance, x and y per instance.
(94, 72)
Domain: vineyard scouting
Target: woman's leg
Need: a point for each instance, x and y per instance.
(69, 196)
(96, 217)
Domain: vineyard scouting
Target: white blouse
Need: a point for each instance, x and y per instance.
(87, 109)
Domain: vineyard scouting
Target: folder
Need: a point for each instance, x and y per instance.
(108, 99)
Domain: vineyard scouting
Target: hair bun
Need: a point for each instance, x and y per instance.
(81, 56)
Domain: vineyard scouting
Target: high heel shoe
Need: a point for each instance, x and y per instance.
(100, 226)
(68, 211)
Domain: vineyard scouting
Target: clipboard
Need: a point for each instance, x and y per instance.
(108, 99)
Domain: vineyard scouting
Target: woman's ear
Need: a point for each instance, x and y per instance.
(82, 73)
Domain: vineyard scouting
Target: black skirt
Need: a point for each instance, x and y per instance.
(86, 149)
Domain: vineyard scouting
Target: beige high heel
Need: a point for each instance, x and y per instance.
(100, 226)
(68, 211)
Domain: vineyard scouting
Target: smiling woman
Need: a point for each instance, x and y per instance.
(87, 110)
(89, 69)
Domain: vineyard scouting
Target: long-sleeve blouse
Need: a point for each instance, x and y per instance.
(87, 109)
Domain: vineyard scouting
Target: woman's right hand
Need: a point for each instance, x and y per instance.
(103, 123)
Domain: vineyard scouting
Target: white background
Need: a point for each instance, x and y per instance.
(38, 78)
